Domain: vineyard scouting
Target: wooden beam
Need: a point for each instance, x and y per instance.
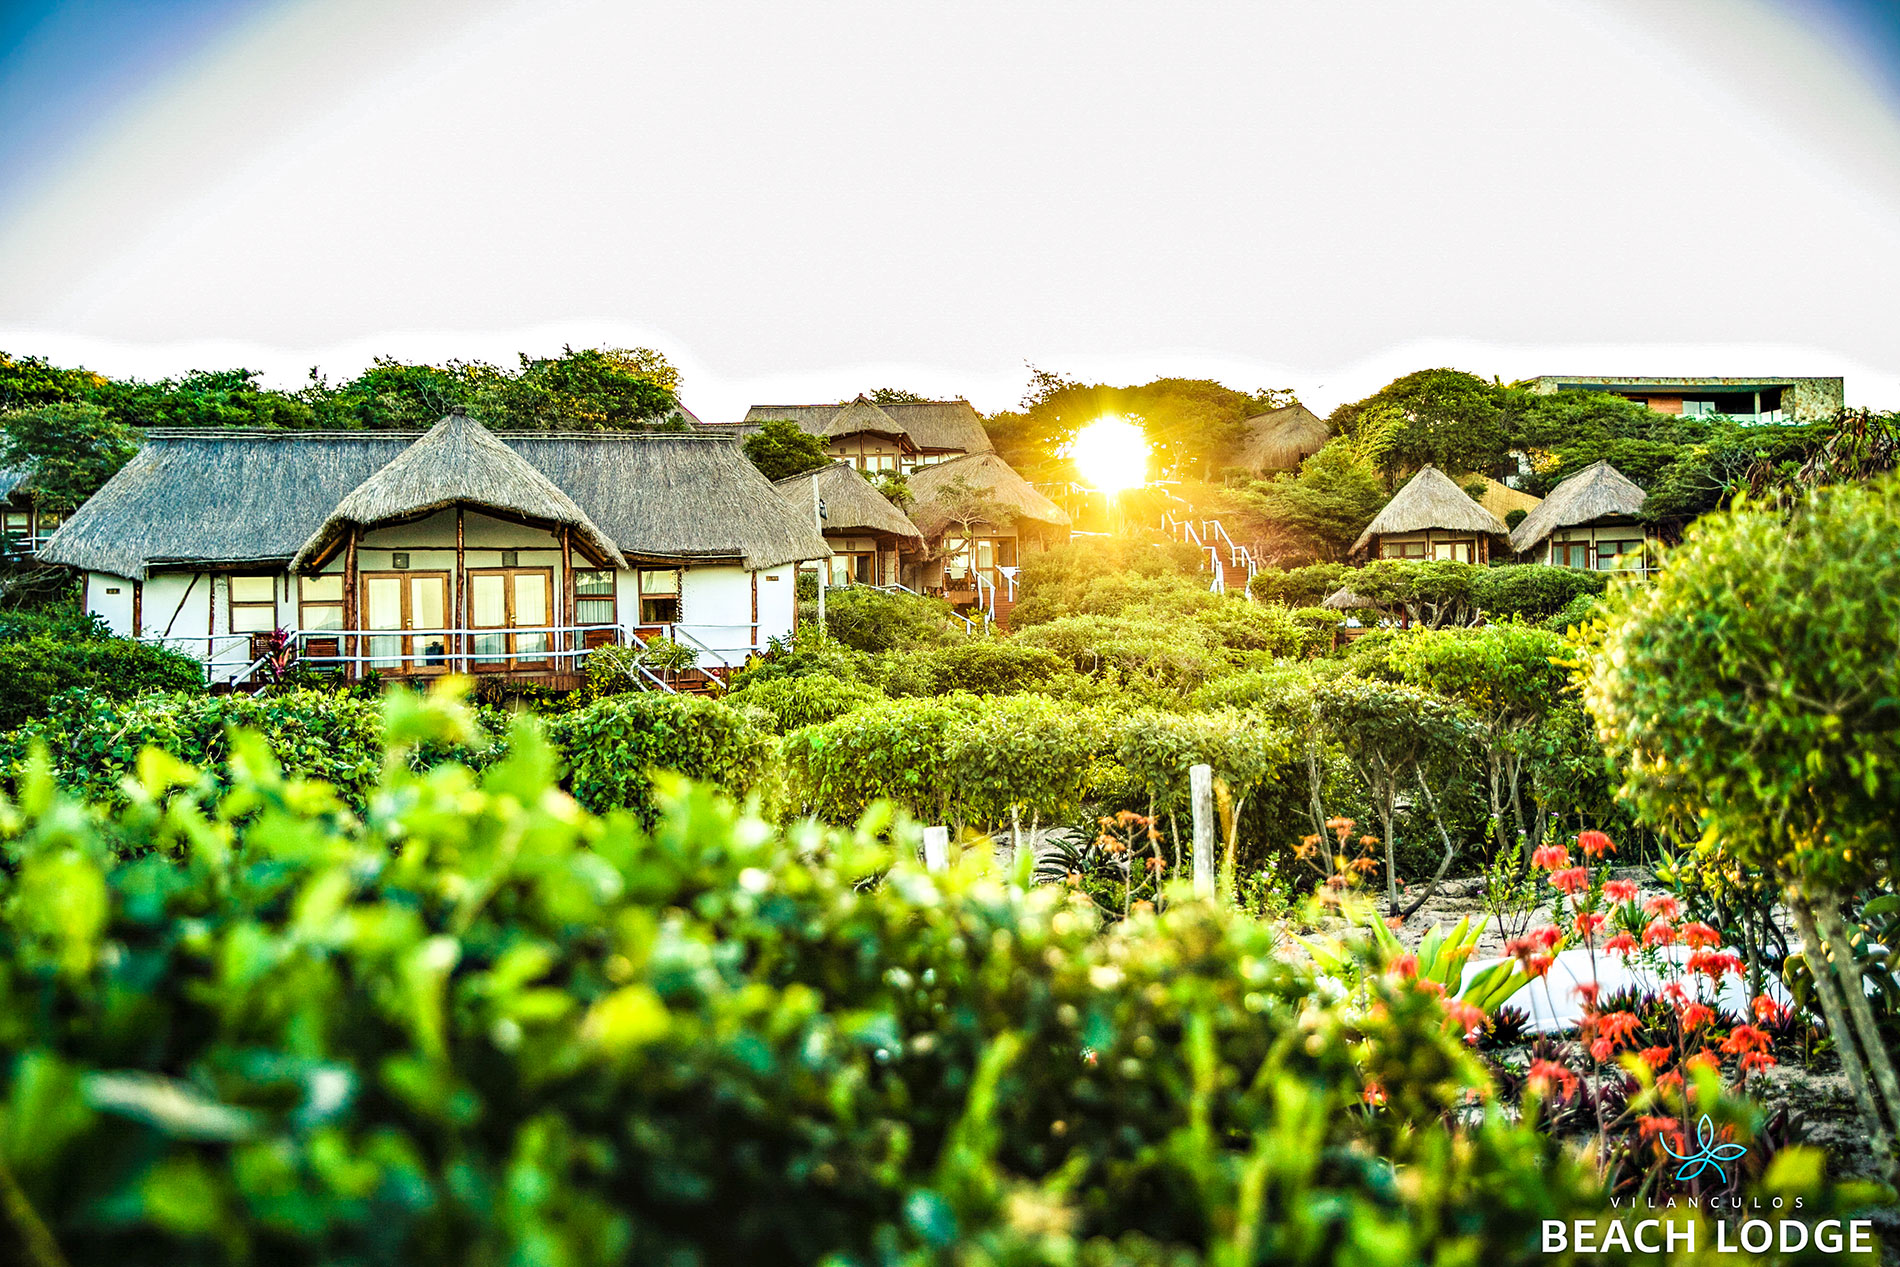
(565, 616)
(461, 593)
(138, 608)
(351, 603)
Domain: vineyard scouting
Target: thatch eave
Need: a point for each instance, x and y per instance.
(1431, 501)
(1599, 493)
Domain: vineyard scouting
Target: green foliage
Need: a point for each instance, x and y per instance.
(1318, 513)
(1749, 692)
(980, 666)
(1190, 423)
(41, 661)
(792, 702)
(899, 752)
(1533, 591)
(614, 748)
(533, 1035)
(780, 449)
(1307, 586)
(1152, 657)
(1157, 748)
(94, 741)
(71, 450)
(879, 620)
(1512, 518)
(1106, 576)
(1445, 417)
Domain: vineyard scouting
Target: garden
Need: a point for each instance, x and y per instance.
(1544, 902)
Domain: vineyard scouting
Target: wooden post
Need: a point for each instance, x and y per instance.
(1201, 791)
(565, 616)
(351, 603)
(461, 594)
(824, 567)
(936, 848)
(138, 609)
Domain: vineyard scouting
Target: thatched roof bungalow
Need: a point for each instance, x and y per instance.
(1431, 518)
(892, 436)
(455, 549)
(979, 517)
(1281, 439)
(1591, 520)
(868, 535)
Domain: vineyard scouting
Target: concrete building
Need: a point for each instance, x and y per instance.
(1765, 399)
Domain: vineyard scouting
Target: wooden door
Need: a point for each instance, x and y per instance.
(517, 605)
(406, 614)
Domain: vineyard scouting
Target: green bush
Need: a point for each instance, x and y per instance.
(792, 702)
(530, 1035)
(94, 740)
(867, 619)
(46, 663)
(614, 747)
(981, 666)
(1533, 591)
(1300, 587)
(1240, 625)
(899, 753)
(805, 655)
(1166, 657)
(1109, 576)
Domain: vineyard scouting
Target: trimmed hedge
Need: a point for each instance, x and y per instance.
(614, 747)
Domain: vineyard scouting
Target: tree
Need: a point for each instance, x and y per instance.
(1318, 513)
(893, 396)
(1750, 694)
(1191, 424)
(71, 449)
(780, 449)
(1446, 417)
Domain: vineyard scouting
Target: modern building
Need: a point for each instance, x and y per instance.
(1431, 518)
(458, 549)
(1592, 520)
(1768, 400)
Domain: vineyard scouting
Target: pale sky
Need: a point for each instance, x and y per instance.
(797, 202)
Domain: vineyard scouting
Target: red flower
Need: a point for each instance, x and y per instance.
(1548, 936)
(1520, 948)
(1588, 923)
(1433, 988)
(1548, 1074)
(1660, 933)
(1405, 966)
(1550, 857)
(1664, 906)
(1704, 1059)
(1466, 1016)
(1766, 1009)
(1621, 944)
(1746, 1038)
(1571, 880)
(1587, 991)
(1695, 1015)
(1700, 935)
(1620, 890)
(1618, 1026)
(1539, 965)
(1663, 1128)
(1757, 1060)
(1374, 1094)
(1655, 1057)
(1595, 843)
(1714, 965)
(1601, 1050)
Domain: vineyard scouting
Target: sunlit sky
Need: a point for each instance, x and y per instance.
(798, 202)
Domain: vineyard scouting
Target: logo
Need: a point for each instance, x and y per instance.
(1709, 1154)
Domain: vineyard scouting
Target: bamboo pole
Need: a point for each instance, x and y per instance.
(1201, 795)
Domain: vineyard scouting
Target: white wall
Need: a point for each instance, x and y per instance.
(716, 608)
(110, 597)
(778, 602)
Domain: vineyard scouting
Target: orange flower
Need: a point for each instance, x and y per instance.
(1663, 906)
(1695, 1015)
(1374, 1094)
(1539, 965)
(1714, 965)
(1588, 923)
(1467, 1017)
(1655, 1057)
(1550, 857)
(1766, 1009)
(1595, 843)
(1405, 967)
(1548, 936)
(1699, 935)
(1546, 1075)
(1746, 1038)
(1571, 880)
(1621, 944)
(1659, 933)
(1620, 890)
(1618, 1026)
(1757, 1060)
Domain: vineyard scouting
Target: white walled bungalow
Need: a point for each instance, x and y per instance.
(1593, 520)
(456, 550)
(869, 537)
(1431, 518)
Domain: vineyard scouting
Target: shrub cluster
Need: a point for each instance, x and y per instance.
(479, 1024)
(45, 654)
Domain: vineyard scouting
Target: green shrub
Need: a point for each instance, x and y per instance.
(867, 619)
(1300, 587)
(899, 753)
(1533, 591)
(37, 668)
(1241, 625)
(804, 701)
(1109, 576)
(803, 656)
(981, 666)
(1171, 656)
(94, 740)
(534, 1035)
(614, 747)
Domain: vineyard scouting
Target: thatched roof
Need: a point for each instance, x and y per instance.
(458, 462)
(992, 478)
(1501, 499)
(10, 480)
(213, 497)
(1598, 491)
(674, 495)
(1431, 500)
(941, 425)
(1281, 439)
(851, 503)
(1343, 599)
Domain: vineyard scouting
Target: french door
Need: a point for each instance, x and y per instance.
(503, 602)
(405, 613)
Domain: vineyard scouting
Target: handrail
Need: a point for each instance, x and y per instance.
(641, 670)
(968, 624)
(679, 633)
(556, 648)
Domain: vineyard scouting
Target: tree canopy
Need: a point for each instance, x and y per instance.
(780, 449)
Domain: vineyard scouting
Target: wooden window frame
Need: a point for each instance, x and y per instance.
(306, 603)
(597, 637)
(412, 663)
(677, 594)
(232, 606)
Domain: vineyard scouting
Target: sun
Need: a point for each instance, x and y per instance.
(1111, 454)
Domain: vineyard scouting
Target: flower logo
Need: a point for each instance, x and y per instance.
(1709, 1154)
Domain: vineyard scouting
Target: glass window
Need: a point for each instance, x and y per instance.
(1570, 554)
(321, 602)
(1619, 556)
(594, 596)
(253, 604)
(657, 583)
(1455, 551)
(661, 610)
(19, 524)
